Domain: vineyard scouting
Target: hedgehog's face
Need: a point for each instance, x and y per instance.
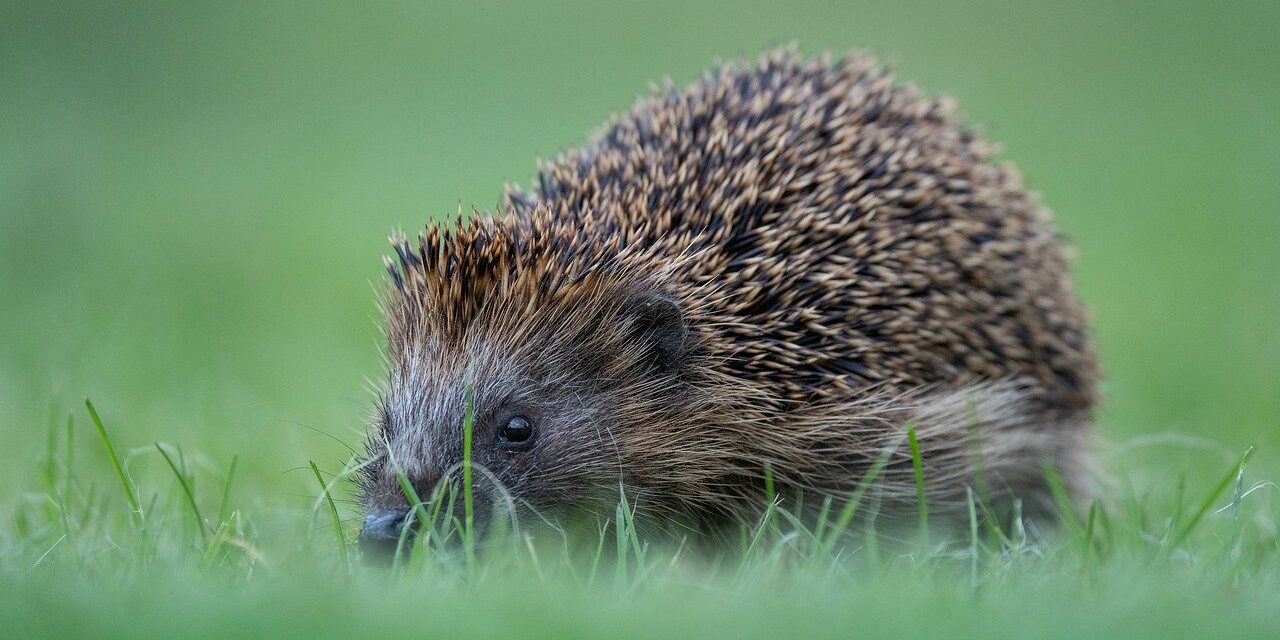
(545, 410)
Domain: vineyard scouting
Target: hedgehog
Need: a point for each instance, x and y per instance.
(746, 289)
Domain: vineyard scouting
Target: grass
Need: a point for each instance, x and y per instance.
(336, 522)
(1198, 549)
(917, 469)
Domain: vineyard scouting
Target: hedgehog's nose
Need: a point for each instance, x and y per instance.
(381, 535)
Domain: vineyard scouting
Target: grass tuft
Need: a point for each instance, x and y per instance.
(1140, 541)
(841, 525)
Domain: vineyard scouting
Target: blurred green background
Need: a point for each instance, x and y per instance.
(194, 197)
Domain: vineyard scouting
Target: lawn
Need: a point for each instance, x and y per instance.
(193, 206)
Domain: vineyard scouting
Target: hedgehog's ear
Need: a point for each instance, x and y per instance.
(656, 320)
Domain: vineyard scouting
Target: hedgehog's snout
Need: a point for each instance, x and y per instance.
(382, 532)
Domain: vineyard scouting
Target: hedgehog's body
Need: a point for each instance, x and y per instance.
(780, 266)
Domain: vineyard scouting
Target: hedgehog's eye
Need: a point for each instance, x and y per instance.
(517, 432)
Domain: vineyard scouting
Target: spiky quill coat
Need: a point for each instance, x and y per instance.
(833, 256)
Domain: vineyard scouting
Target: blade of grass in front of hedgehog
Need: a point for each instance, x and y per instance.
(973, 537)
(633, 535)
(1106, 533)
(1062, 498)
(771, 496)
(872, 545)
(620, 537)
(823, 514)
(410, 494)
(992, 523)
(595, 560)
(450, 525)
(333, 513)
(917, 467)
(437, 501)
(125, 481)
(185, 483)
(426, 520)
(975, 445)
(1086, 542)
(627, 538)
(799, 531)
(749, 554)
(845, 518)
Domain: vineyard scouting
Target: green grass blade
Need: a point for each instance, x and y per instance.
(749, 555)
(1237, 497)
(68, 480)
(125, 481)
(917, 467)
(1106, 533)
(1062, 499)
(415, 503)
(1171, 529)
(1212, 498)
(437, 501)
(226, 491)
(1086, 543)
(190, 495)
(771, 496)
(823, 514)
(598, 555)
(845, 517)
(426, 520)
(620, 537)
(973, 537)
(65, 501)
(51, 451)
(333, 513)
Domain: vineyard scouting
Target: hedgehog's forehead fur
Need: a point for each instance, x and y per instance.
(512, 283)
